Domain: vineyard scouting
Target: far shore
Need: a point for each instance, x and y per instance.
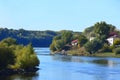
(105, 54)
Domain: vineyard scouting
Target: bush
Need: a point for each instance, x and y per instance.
(16, 56)
(93, 46)
(116, 41)
(117, 50)
(6, 57)
(106, 48)
(25, 58)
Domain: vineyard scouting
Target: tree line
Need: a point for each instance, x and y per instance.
(100, 31)
(36, 38)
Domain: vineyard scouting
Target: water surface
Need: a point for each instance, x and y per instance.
(61, 67)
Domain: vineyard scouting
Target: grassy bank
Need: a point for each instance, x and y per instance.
(82, 52)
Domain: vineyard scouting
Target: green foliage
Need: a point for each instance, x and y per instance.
(116, 41)
(9, 41)
(25, 58)
(89, 31)
(42, 38)
(82, 40)
(6, 57)
(102, 28)
(93, 46)
(61, 40)
(117, 50)
(59, 44)
(99, 29)
(16, 56)
(67, 36)
(52, 46)
(78, 52)
(106, 48)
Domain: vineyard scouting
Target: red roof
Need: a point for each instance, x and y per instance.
(75, 41)
(112, 34)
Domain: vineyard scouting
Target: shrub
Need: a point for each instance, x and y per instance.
(6, 57)
(93, 46)
(117, 50)
(116, 41)
(106, 48)
(25, 58)
(16, 56)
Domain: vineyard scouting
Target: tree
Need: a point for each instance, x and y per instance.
(59, 44)
(6, 57)
(88, 31)
(25, 58)
(67, 36)
(116, 41)
(9, 41)
(102, 28)
(93, 46)
(82, 40)
(52, 46)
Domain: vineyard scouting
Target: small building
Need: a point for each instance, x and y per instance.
(112, 37)
(92, 38)
(74, 42)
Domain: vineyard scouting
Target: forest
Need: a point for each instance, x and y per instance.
(36, 38)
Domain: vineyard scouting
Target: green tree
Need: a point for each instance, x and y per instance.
(26, 58)
(67, 36)
(102, 28)
(6, 57)
(59, 44)
(52, 46)
(82, 40)
(9, 41)
(93, 46)
(116, 41)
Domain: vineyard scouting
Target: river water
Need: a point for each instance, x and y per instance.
(60, 67)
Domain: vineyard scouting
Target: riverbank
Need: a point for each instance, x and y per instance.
(7, 72)
(84, 53)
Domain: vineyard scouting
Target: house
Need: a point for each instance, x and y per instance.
(74, 42)
(112, 37)
(92, 38)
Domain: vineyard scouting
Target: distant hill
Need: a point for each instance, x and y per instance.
(37, 38)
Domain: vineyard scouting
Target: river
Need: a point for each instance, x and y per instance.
(60, 67)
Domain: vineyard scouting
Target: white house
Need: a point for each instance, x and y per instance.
(74, 42)
(111, 39)
(92, 38)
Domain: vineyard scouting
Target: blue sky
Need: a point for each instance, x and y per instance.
(58, 15)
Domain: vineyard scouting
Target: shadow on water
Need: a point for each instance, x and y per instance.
(100, 61)
(104, 62)
(62, 58)
(30, 76)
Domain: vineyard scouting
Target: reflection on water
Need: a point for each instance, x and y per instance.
(30, 76)
(60, 67)
(99, 61)
(62, 58)
(104, 62)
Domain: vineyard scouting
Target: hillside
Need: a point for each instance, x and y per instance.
(37, 38)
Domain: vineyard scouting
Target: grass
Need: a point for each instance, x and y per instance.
(82, 52)
(106, 54)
